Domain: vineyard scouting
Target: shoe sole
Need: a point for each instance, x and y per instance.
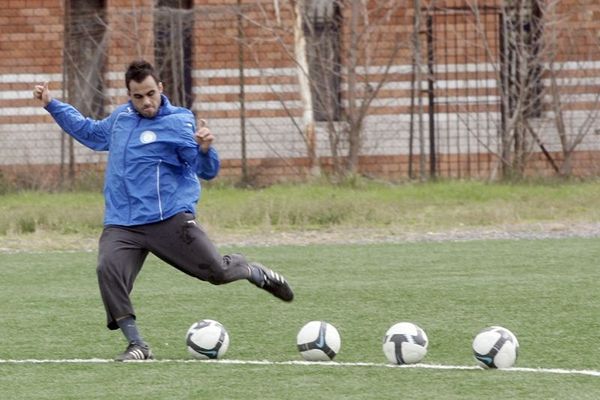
(282, 291)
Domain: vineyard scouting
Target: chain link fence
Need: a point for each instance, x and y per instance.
(474, 89)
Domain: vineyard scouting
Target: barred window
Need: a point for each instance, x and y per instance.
(85, 55)
(322, 25)
(173, 30)
(522, 64)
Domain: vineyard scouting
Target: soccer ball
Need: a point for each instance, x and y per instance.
(405, 343)
(495, 347)
(318, 341)
(207, 339)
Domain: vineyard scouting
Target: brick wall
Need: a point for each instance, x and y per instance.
(467, 121)
(31, 42)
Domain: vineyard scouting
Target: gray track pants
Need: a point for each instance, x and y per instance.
(178, 241)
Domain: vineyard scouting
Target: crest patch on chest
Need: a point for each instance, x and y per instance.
(147, 137)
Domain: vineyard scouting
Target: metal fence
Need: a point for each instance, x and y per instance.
(508, 88)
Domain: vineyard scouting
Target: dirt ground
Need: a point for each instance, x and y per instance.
(395, 235)
(41, 241)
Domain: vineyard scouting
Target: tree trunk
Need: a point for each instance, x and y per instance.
(308, 119)
(354, 126)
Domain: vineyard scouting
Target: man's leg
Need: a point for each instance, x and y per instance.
(120, 259)
(181, 242)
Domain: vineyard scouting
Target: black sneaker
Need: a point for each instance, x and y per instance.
(274, 283)
(136, 352)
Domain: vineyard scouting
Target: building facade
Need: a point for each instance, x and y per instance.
(455, 88)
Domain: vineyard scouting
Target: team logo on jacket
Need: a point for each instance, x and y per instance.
(147, 137)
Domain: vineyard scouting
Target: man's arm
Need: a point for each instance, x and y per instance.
(42, 93)
(203, 136)
(209, 158)
(89, 132)
(209, 164)
(200, 154)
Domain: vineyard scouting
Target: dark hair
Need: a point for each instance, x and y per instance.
(138, 71)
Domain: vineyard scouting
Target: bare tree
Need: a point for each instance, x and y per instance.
(366, 70)
(173, 34)
(84, 56)
(306, 94)
(417, 67)
(574, 98)
(547, 103)
(541, 88)
(344, 69)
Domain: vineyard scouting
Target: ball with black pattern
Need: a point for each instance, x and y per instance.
(318, 341)
(495, 347)
(405, 343)
(207, 339)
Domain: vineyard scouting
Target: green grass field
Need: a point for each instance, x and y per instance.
(545, 291)
(408, 207)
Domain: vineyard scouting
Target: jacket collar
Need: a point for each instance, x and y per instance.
(165, 108)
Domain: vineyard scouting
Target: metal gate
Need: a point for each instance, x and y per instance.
(464, 102)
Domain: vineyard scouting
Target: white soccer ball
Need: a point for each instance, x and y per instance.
(405, 343)
(207, 339)
(318, 341)
(495, 347)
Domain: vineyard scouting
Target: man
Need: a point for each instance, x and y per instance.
(151, 190)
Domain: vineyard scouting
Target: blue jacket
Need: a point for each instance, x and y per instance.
(153, 163)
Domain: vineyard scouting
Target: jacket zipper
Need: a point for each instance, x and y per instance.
(160, 210)
(125, 168)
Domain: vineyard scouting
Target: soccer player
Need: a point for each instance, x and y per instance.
(151, 189)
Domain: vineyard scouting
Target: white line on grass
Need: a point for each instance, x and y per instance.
(561, 371)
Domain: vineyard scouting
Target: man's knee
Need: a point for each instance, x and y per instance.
(234, 260)
(102, 268)
(106, 270)
(228, 269)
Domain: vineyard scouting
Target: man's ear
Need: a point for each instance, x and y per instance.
(160, 87)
